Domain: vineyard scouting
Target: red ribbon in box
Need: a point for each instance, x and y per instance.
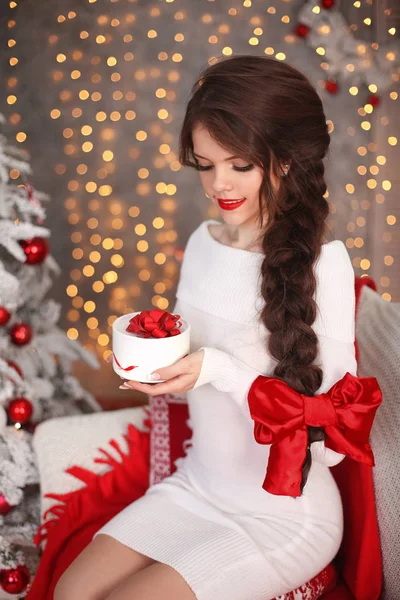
(154, 323)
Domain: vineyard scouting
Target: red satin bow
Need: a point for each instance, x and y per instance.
(281, 416)
(155, 323)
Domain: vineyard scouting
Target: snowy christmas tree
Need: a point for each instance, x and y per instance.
(35, 364)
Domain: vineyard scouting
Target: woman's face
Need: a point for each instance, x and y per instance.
(226, 178)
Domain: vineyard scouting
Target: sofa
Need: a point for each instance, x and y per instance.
(146, 441)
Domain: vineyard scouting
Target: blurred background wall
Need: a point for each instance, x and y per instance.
(95, 92)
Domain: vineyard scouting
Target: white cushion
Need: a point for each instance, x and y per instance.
(378, 337)
(74, 440)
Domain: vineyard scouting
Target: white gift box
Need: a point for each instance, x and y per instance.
(145, 354)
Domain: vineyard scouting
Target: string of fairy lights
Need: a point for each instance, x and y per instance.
(99, 79)
(376, 158)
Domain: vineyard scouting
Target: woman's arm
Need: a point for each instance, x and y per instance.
(336, 358)
(336, 350)
(227, 374)
(335, 323)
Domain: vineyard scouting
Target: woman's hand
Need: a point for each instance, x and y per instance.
(180, 377)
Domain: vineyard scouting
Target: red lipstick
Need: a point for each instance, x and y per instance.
(230, 204)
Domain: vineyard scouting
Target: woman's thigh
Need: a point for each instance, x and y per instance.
(99, 569)
(157, 582)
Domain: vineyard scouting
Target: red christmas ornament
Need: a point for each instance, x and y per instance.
(331, 86)
(4, 316)
(301, 30)
(20, 410)
(21, 334)
(16, 367)
(327, 4)
(15, 581)
(36, 249)
(4, 506)
(373, 99)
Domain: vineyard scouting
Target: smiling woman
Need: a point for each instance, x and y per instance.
(255, 131)
(232, 183)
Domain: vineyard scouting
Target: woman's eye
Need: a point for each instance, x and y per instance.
(203, 168)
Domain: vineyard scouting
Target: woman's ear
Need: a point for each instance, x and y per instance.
(285, 166)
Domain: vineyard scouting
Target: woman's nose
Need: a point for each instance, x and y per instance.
(221, 182)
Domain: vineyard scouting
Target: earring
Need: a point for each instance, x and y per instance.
(286, 169)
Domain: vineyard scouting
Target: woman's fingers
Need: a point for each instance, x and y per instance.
(177, 385)
(172, 372)
(179, 377)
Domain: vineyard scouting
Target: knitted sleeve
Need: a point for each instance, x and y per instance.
(335, 293)
(336, 351)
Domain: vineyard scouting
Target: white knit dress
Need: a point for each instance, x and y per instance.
(211, 520)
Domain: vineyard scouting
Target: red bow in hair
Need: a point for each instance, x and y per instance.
(281, 417)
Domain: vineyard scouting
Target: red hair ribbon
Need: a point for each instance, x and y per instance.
(281, 416)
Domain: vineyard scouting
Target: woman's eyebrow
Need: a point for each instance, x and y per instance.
(229, 158)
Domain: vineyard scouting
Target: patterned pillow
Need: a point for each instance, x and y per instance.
(169, 425)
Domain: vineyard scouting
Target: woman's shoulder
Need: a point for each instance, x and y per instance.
(334, 245)
(199, 230)
(334, 254)
(334, 266)
(215, 229)
(335, 292)
(196, 245)
(205, 235)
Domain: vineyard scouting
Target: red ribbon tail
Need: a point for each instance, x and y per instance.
(124, 369)
(286, 459)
